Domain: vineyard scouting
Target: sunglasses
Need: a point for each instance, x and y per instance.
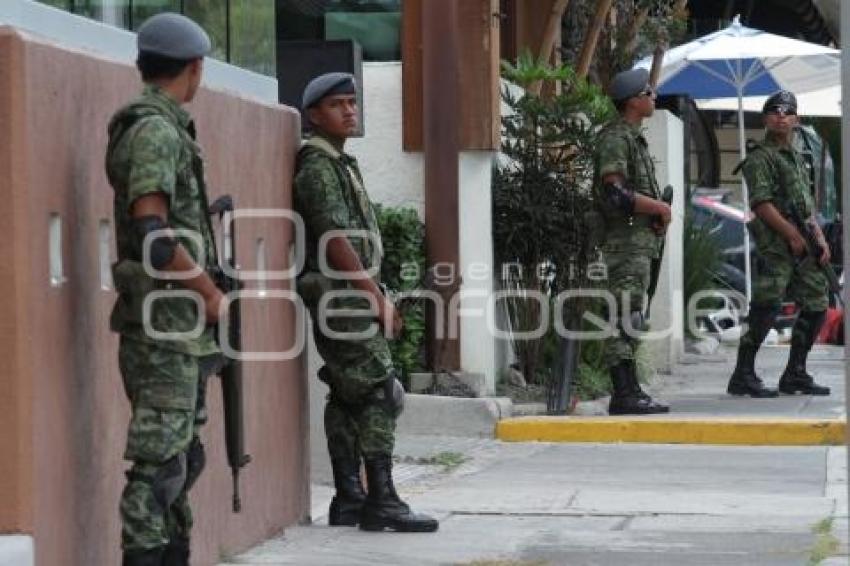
(647, 92)
(781, 110)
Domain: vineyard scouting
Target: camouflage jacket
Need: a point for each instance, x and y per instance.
(329, 195)
(152, 149)
(778, 174)
(622, 149)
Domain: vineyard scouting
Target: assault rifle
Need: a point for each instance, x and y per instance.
(655, 267)
(231, 372)
(812, 248)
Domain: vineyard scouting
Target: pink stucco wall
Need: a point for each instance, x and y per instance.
(63, 414)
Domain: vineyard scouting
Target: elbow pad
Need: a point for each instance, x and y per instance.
(162, 245)
(618, 196)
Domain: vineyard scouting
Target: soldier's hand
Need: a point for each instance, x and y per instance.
(825, 255)
(663, 217)
(797, 244)
(213, 305)
(390, 318)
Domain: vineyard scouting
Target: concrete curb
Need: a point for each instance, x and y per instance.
(452, 416)
(658, 430)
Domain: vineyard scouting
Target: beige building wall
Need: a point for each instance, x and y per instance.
(63, 414)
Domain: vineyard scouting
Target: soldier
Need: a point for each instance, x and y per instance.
(635, 220)
(365, 397)
(778, 183)
(155, 168)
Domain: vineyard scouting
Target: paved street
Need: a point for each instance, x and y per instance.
(527, 504)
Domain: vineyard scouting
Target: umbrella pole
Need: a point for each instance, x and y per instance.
(745, 195)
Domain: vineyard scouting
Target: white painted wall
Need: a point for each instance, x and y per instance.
(665, 135)
(397, 178)
(477, 343)
(393, 177)
(16, 550)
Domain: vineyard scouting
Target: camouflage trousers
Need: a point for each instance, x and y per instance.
(777, 275)
(628, 281)
(356, 420)
(166, 390)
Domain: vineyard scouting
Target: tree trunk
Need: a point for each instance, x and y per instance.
(632, 35)
(592, 37)
(553, 24)
(657, 61)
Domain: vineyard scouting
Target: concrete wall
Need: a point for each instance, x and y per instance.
(666, 145)
(393, 177)
(478, 345)
(396, 178)
(63, 415)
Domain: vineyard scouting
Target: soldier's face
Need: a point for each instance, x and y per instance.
(647, 100)
(780, 122)
(336, 115)
(644, 103)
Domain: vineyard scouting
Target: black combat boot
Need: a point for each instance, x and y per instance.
(744, 380)
(636, 388)
(176, 553)
(348, 500)
(150, 557)
(628, 398)
(383, 508)
(795, 377)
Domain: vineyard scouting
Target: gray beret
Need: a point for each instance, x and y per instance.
(628, 84)
(173, 35)
(324, 85)
(783, 100)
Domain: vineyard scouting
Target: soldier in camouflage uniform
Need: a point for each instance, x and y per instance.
(365, 397)
(635, 220)
(154, 166)
(778, 182)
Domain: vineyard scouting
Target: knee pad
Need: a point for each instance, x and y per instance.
(169, 480)
(196, 460)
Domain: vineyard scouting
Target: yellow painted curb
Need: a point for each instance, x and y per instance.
(654, 430)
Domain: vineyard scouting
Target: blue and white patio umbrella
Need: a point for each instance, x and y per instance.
(741, 62)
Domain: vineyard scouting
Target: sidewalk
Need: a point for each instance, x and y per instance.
(702, 413)
(576, 504)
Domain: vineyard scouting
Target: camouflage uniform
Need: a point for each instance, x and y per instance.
(329, 195)
(779, 175)
(630, 244)
(152, 150)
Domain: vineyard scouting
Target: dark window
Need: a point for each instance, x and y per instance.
(374, 24)
(242, 31)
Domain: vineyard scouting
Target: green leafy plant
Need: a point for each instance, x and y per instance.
(403, 235)
(541, 194)
(702, 258)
